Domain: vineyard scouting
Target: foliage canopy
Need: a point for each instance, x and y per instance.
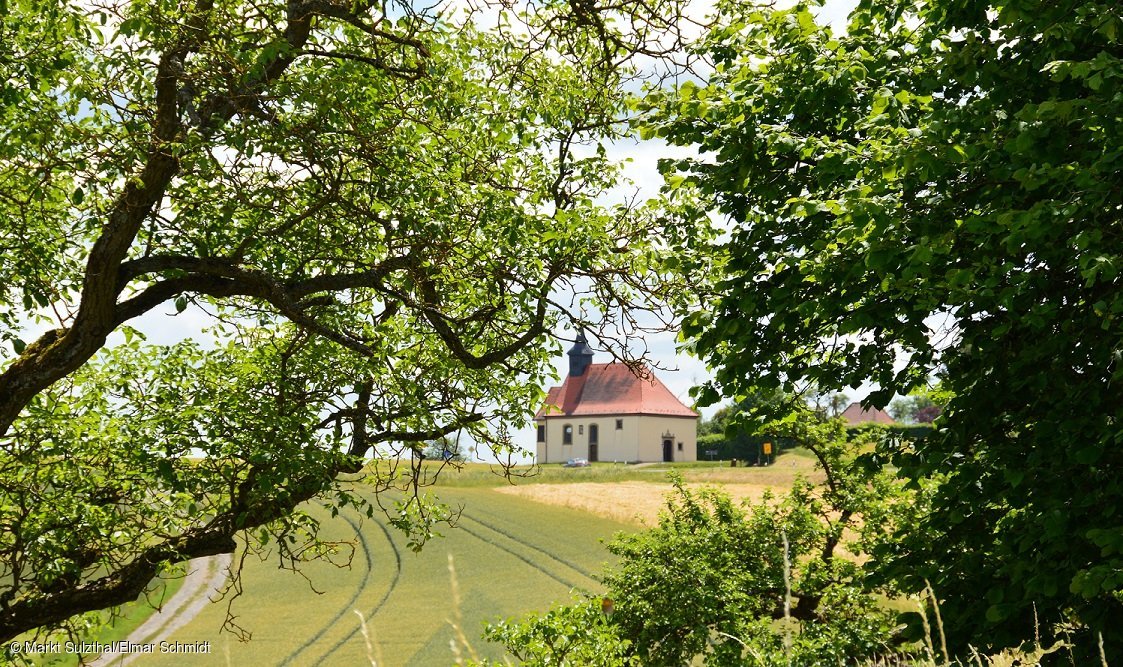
(376, 204)
(937, 190)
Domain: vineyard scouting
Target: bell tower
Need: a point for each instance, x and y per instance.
(580, 356)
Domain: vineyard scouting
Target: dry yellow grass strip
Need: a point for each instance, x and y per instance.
(636, 502)
(640, 501)
(781, 475)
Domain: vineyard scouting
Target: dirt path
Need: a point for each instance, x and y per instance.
(205, 576)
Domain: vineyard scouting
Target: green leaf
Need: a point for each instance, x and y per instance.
(1088, 455)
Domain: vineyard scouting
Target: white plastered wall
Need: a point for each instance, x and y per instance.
(640, 438)
(682, 430)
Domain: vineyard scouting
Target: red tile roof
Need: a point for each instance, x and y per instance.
(856, 414)
(612, 389)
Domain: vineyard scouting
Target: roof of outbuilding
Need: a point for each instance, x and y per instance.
(856, 414)
(612, 389)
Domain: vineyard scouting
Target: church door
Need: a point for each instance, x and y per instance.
(668, 452)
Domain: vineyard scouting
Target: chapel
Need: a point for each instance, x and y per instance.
(607, 412)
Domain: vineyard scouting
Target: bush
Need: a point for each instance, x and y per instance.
(743, 447)
(579, 634)
(756, 584)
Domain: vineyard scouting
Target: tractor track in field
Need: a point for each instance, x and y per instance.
(530, 547)
(519, 556)
(553, 557)
(483, 538)
(346, 607)
(381, 601)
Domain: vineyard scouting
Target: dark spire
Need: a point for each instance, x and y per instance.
(580, 356)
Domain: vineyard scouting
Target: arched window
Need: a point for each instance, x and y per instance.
(567, 434)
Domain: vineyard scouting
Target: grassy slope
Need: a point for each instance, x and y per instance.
(510, 557)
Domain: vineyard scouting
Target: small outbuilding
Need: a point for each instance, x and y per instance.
(606, 412)
(855, 414)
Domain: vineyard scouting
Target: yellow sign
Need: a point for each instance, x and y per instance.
(768, 449)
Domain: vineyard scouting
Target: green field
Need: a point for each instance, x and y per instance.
(510, 556)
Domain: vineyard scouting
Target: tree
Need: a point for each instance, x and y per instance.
(444, 449)
(827, 404)
(921, 406)
(936, 190)
(733, 432)
(375, 204)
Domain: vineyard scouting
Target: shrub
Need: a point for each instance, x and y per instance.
(754, 584)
